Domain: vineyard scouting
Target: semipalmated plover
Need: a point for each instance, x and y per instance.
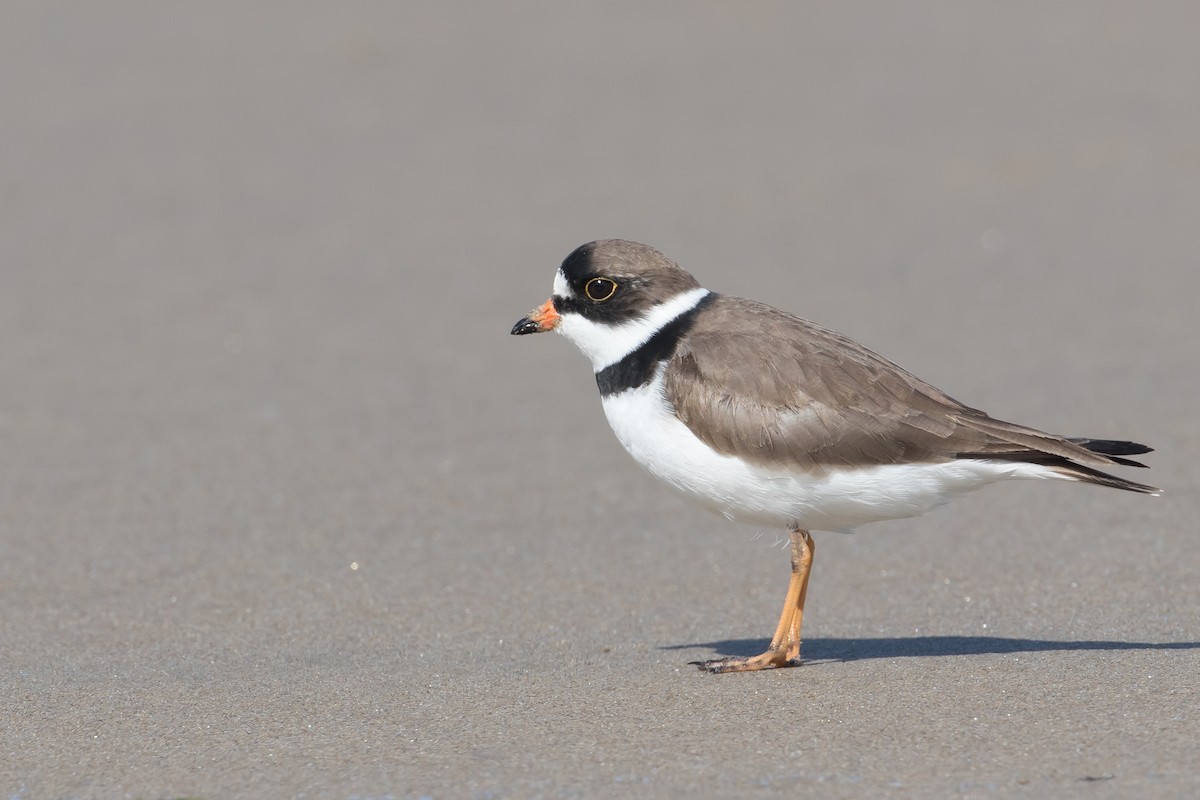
(771, 419)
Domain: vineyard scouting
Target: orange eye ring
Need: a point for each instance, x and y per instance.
(600, 289)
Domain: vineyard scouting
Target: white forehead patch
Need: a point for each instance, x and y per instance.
(561, 287)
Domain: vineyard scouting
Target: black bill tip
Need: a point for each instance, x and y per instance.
(525, 325)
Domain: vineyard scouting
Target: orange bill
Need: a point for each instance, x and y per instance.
(541, 319)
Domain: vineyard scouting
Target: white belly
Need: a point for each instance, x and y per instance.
(833, 500)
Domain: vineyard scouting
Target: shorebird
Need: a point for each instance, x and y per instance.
(770, 419)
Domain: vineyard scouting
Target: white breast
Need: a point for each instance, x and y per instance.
(833, 500)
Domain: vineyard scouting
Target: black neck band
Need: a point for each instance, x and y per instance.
(637, 368)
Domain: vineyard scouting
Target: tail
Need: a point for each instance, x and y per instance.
(1111, 450)
(1114, 450)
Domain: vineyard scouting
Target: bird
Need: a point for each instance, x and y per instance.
(770, 419)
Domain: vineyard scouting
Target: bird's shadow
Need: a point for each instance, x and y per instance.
(858, 649)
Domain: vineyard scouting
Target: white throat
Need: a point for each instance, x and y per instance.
(608, 344)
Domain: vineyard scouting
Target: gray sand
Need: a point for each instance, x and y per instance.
(286, 512)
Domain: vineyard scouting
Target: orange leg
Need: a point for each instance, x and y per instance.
(784, 650)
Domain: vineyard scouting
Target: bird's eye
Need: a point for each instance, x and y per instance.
(600, 289)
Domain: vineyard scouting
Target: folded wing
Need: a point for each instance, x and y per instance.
(800, 396)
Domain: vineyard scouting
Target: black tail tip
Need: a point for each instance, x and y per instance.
(1113, 447)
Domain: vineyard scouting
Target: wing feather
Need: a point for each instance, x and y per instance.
(759, 383)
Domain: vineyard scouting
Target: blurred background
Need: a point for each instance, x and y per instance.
(279, 491)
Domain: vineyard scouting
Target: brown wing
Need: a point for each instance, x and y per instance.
(753, 381)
